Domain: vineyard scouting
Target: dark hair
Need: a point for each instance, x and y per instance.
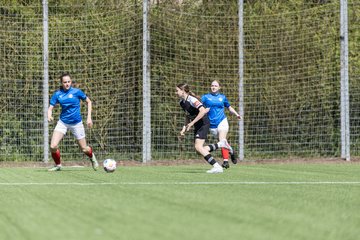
(185, 87)
(64, 74)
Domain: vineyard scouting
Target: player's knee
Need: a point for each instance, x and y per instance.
(53, 148)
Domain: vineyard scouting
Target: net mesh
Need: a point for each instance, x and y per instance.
(291, 78)
(292, 82)
(200, 47)
(101, 48)
(21, 126)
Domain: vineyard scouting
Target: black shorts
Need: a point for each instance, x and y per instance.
(201, 131)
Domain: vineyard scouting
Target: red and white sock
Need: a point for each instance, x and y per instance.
(225, 153)
(89, 153)
(56, 157)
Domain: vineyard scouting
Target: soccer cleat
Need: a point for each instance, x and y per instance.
(94, 162)
(233, 158)
(225, 164)
(55, 168)
(216, 169)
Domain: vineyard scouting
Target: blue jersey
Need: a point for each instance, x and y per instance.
(70, 104)
(216, 103)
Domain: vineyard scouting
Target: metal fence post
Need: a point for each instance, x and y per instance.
(344, 59)
(46, 79)
(241, 80)
(146, 153)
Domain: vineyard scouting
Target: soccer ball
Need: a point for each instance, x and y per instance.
(109, 165)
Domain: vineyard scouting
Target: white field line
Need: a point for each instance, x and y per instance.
(171, 183)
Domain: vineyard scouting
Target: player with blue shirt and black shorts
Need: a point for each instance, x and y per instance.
(69, 98)
(219, 126)
(196, 115)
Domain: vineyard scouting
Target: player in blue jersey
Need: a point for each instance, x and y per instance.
(196, 116)
(219, 126)
(69, 99)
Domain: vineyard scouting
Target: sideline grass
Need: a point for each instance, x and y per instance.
(290, 201)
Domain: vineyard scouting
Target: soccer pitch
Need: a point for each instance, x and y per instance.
(258, 201)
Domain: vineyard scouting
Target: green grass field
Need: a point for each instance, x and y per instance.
(258, 201)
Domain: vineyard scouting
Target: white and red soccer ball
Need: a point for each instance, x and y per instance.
(109, 165)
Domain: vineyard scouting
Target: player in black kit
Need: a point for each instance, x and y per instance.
(196, 116)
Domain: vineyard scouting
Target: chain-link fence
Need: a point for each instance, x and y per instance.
(291, 75)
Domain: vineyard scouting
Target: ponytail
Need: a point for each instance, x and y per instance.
(185, 87)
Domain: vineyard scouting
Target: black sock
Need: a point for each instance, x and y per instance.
(213, 147)
(210, 159)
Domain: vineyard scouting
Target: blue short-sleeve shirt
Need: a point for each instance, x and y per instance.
(70, 104)
(217, 104)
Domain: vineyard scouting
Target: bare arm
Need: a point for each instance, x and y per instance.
(89, 109)
(202, 112)
(233, 111)
(187, 120)
(49, 113)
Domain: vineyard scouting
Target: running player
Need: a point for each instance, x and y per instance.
(219, 126)
(196, 115)
(68, 98)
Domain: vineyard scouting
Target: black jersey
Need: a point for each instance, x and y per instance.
(191, 107)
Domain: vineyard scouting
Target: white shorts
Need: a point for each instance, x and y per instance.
(77, 130)
(223, 126)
